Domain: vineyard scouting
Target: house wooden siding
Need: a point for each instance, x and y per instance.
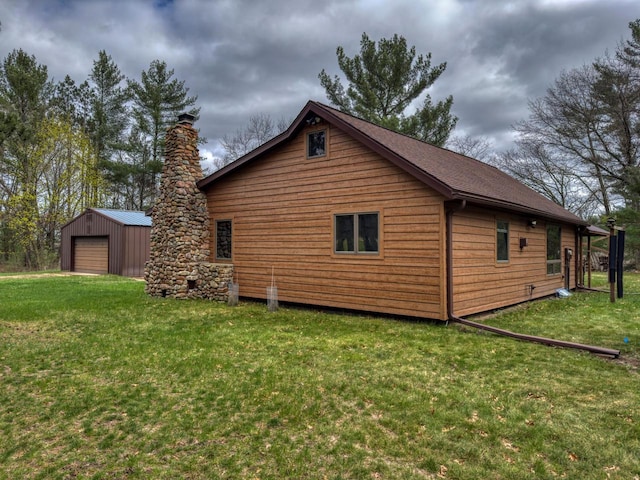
(282, 207)
(481, 283)
(282, 211)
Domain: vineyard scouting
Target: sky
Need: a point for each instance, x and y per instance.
(250, 57)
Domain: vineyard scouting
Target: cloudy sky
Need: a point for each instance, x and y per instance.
(244, 57)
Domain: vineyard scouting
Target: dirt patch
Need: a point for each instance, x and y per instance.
(44, 275)
(57, 274)
(632, 363)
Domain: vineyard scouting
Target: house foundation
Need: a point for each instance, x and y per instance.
(178, 265)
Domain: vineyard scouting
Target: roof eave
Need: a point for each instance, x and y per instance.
(264, 148)
(517, 208)
(96, 211)
(115, 220)
(387, 153)
(595, 231)
(448, 192)
(333, 119)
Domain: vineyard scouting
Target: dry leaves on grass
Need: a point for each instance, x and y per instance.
(510, 446)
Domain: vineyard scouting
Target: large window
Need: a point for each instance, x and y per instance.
(223, 239)
(316, 144)
(356, 233)
(553, 250)
(502, 241)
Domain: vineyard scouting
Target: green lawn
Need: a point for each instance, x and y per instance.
(99, 381)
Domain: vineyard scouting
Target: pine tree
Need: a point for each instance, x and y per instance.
(629, 51)
(108, 118)
(384, 80)
(25, 91)
(157, 101)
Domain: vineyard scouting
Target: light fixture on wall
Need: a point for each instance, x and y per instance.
(532, 223)
(313, 120)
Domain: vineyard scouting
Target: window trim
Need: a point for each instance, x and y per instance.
(350, 254)
(326, 143)
(502, 261)
(555, 261)
(215, 245)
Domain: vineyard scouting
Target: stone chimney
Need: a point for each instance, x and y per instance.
(178, 263)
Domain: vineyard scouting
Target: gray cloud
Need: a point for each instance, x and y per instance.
(243, 57)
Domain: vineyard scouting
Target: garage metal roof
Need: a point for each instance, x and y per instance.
(125, 217)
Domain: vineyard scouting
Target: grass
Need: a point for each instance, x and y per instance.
(99, 381)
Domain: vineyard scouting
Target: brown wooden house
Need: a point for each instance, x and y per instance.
(106, 241)
(351, 215)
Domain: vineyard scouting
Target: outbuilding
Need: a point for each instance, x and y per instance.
(106, 241)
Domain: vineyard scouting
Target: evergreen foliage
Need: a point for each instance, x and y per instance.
(108, 120)
(25, 90)
(384, 81)
(157, 100)
(65, 147)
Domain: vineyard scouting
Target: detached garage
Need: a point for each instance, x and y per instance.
(106, 241)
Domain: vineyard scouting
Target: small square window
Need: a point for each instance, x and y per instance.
(316, 144)
(357, 233)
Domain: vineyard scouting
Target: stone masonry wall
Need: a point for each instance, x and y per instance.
(178, 263)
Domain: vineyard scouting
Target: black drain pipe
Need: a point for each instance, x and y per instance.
(451, 208)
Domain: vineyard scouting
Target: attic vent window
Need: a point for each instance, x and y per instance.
(316, 144)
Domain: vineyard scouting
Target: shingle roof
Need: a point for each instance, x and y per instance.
(126, 217)
(455, 176)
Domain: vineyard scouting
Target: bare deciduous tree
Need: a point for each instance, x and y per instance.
(259, 129)
(567, 123)
(474, 147)
(555, 176)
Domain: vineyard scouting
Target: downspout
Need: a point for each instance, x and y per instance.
(579, 257)
(529, 338)
(589, 261)
(451, 209)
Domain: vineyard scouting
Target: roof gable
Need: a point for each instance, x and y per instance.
(453, 175)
